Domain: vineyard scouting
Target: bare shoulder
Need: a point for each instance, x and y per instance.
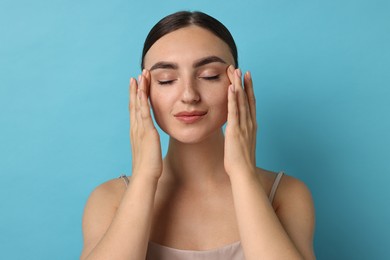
(108, 192)
(289, 188)
(100, 210)
(267, 178)
(292, 191)
(104, 198)
(293, 205)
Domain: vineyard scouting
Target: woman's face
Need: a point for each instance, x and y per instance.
(189, 83)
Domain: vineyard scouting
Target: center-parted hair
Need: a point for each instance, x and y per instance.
(184, 19)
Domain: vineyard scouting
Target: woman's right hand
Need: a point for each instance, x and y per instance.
(145, 140)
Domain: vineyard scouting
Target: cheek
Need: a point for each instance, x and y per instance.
(222, 102)
(157, 108)
(220, 96)
(156, 97)
(161, 102)
(219, 101)
(156, 104)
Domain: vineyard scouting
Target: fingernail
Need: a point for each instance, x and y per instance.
(144, 72)
(248, 74)
(231, 68)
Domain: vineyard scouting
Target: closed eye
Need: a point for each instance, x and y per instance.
(165, 82)
(216, 77)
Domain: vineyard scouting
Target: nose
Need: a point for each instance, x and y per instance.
(190, 94)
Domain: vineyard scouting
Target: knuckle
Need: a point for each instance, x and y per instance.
(145, 116)
(250, 125)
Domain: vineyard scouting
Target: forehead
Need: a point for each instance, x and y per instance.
(186, 45)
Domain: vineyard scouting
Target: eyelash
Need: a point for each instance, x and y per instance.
(169, 82)
(216, 77)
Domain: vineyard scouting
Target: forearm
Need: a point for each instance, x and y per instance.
(262, 235)
(128, 235)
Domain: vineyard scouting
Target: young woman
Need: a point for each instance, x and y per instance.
(206, 199)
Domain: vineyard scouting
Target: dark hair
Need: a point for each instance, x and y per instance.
(184, 19)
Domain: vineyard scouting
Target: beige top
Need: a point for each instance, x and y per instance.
(229, 252)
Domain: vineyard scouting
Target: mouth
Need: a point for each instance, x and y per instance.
(190, 117)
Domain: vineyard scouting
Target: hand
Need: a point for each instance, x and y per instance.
(145, 140)
(240, 133)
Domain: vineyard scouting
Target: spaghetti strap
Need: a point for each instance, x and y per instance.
(125, 179)
(275, 186)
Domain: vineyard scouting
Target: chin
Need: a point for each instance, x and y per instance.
(193, 136)
(188, 140)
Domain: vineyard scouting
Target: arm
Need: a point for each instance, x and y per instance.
(264, 234)
(118, 233)
(295, 210)
(123, 232)
(284, 234)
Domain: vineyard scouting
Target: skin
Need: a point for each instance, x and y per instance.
(179, 201)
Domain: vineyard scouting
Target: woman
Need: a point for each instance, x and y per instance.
(206, 199)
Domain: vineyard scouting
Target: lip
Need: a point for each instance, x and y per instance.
(190, 117)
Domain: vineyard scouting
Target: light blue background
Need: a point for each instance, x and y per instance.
(322, 78)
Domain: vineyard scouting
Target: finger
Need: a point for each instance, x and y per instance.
(230, 73)
(138, 105)
(252, 107)
(144, 96)
(243, 108)
(147, 77)
(250, 95)
(232, 118)
(132, 108)
(132, 101)
(146, 117)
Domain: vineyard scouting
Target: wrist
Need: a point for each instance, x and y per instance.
(144, 178)
(244, 181)
(242, 173)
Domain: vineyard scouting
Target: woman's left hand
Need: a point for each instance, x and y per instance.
(240, 133)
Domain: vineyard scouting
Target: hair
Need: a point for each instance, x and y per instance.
(184, 19)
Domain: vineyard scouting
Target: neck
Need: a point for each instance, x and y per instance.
(194, 164)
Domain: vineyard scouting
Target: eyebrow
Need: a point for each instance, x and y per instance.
(164, 65)
(207, 60)
(197, 64)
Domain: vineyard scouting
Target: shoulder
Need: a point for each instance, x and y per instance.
(289, 188)
(292, 191)
(267, 179)
(105, 198)
(293, 205)
(109, 191)
(295, 209)
(100, 209)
